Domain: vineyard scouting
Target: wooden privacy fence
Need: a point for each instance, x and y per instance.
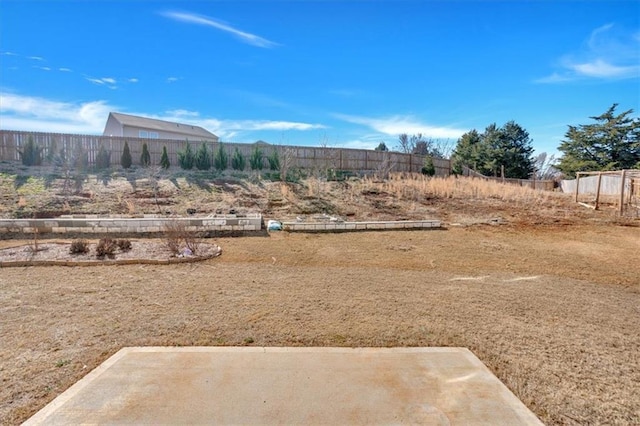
(356, 160)
(547, 185)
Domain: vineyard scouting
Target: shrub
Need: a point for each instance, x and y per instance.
(106, 247)
(274, 160)
(220, 159)
(186, 158)
(164, 160)
(123, 245)
(428, 168)
(176, 236)
(256, 158)
(79, 247)
(31, 154)
(145, 157)
(81, 160)
(103, 158)
(237, 160)
(203, 159)
(125, 159)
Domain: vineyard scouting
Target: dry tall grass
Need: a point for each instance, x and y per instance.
(417, 187)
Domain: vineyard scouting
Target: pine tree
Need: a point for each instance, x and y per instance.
(220, 158)
(125, 159)
(164, 160)
(103, 158)
(237, 161)
(274, 160)
(203, 159)
(612, 143)
(186, 158)
(256, 158)
(428, 169)
(31, 155)
(145, 157)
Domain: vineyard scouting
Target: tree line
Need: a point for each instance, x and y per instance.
(611, 143)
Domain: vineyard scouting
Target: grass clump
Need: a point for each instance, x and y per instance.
(106, 247)
(79, 247)
(124, 245)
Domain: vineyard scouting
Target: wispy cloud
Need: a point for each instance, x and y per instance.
(64, 69)
(104, 81)
(36, 58)
(602, 69)
(133, 80)
(9, 54)
(608, 53)
(173, 79)
(243, 36)
(39, 114)
(43, 68)
(395, 125)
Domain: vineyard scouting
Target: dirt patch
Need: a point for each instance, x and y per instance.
(553, 311)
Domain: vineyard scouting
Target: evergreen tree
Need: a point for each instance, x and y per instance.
(125, 158)
(428, 169)
(381, 147)
(237, 160)
(256, 158)
(611, 143)
(31, 154)
(145, 157)
(468, 152)
(164, 159)
(221, 158)
(186, 158)
(203, 159)
(508, 146)
(274, 160)
(103, 158)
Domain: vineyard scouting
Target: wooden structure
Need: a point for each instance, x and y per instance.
(547, 185)
(627, 193)
(353, 160)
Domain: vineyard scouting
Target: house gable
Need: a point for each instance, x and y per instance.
(119, 124)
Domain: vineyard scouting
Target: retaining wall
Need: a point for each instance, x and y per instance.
(147, 225)
(359, 226)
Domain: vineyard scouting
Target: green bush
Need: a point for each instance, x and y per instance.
(256, 158)
(103, 158)
(203, 159)
(31, 154)
(428, 168)
(237, 160)
(274, 160)
(164, 160)
(145, 157)
(125, 158)
(221, 158)
(186, 158)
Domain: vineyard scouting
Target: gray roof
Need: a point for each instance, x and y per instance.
(165, 126)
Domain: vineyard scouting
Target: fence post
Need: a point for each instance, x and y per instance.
(598, 190)
(577, 184)
(622, 177)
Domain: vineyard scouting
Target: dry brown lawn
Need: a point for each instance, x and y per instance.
(554, 311)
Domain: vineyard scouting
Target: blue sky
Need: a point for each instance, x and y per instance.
(340, 73)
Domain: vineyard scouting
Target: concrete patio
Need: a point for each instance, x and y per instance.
(257, 385)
